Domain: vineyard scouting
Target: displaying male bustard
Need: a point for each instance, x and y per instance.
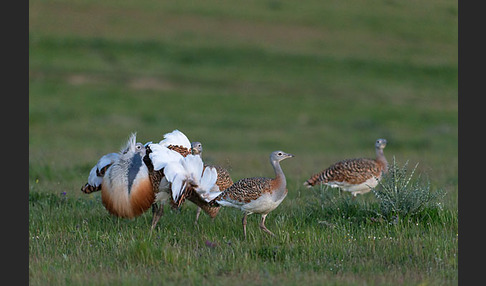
(224, 180)
(255, 195)
(126, 190)
(137, 177)
(175, 174)
(357, 176)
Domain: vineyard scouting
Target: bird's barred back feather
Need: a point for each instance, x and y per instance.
(352, 171)
(211, 209)
(180, 149)
(246, 190)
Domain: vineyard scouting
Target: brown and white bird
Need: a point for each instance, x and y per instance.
(357, 176)
(224, 181)
(126, 190)
(255, 195)
(137, 177)
(173, 147)
(175, 174)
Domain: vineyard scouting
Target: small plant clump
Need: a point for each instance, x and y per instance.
(400, 196)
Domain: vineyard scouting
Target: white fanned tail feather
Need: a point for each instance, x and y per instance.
(175, 138)
(207, 188)
(161, 156)
(176, 175)
(189, 170)
(95, 180)
(194, 166)
(180, 171)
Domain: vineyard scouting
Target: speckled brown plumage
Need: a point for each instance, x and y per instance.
(246, 190)
(353, 171)
(155, 176)
(180, 149)
(211, 210)
(357, 176)
(223, 182)
(257, 194)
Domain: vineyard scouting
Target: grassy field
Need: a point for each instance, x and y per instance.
(319, 80)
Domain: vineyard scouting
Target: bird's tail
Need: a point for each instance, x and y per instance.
(207, 188)
(188, 171)
(312, 181)
(176, 138)
(307, 184)
(161, 156)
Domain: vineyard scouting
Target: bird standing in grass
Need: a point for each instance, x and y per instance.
(140, 176)
(176, 174)
(126, 190)
(357, 176)
(255, 195)
(224, 181)
(172, 148)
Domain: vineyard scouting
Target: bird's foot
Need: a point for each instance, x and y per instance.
(266, 230)
(157, 212)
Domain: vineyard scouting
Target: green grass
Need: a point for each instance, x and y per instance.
(79, 240)
(322, 81)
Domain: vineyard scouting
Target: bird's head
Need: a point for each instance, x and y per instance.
(380, 144)
(278, 156)
(196, 148)
(140, 148)
(132, 146)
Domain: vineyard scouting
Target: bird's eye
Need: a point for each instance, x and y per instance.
(280, 153)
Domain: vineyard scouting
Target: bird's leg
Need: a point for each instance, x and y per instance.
(155, 207)
(244, 224)
(157, 212)
(263, 227)
(197, 214)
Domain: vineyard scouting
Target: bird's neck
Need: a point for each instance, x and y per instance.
(380, 157)
(279, 174)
